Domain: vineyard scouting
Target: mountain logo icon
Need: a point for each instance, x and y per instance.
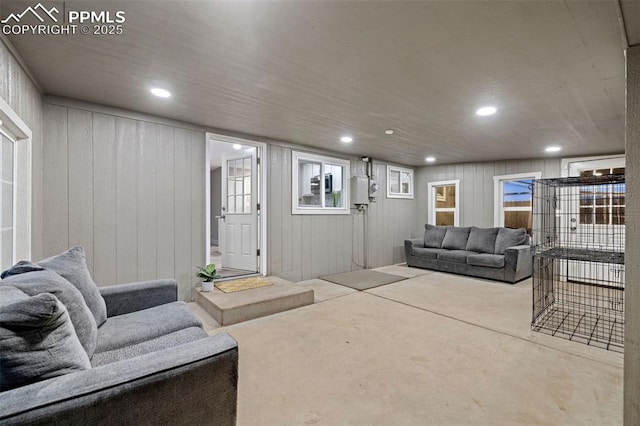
(16, 17)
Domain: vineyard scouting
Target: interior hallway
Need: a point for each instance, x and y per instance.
(433, 349)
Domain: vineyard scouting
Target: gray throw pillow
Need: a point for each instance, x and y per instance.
(509, 238)
(456, 238)
(72, 266)
(45, 281)
(482, 240)
(433, 235)
(37, 339)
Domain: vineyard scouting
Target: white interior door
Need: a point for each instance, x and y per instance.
(239, 220)
(597, 221)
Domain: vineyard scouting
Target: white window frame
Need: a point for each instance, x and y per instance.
(431, 194)
(401, 170)
(296, 157)
(498, 194)
(13, 126)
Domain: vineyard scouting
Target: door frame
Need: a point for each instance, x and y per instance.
(262, 194)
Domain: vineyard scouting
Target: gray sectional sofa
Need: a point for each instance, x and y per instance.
(74, 353)
(495, 253)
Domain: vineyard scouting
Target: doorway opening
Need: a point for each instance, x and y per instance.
(235, 206)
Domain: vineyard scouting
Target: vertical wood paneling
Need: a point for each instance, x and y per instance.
(165, 189)
(56, 182)
(146, 199)
(80, 133)
(182, 212)
(105, 204)
(197, 167)
(126, 201)
(476, 181)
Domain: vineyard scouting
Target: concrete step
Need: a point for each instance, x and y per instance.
(231, 308)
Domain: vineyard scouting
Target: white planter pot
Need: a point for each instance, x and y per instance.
(207, 285)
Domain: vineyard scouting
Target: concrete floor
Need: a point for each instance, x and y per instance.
(434, 349)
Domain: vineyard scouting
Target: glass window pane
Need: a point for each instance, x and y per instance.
(238, 185)
(618, 171)
(618, 216)
(333, 185)
(445, 196)
(247, 203)
(602, 216)
(231, 204)
(586, 173)
(239, 204)
(231, 168)
(309, 184)
(247, 166)
(602, 172)
(518, 219)
(517, 193)
(445, 218)
(247, 185)
(231, 187)
(394, 181)
(586, 216)
(405, 183)
(586, 197)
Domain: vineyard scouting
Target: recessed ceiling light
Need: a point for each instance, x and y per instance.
(161, 93)
(430, 159)
(552, 149)
(237, 146)
(346, 139)
(388, 131)
(486, 110)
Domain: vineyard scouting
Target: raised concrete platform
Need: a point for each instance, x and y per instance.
(231, 308)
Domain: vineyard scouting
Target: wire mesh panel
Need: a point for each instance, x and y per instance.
(578, 270)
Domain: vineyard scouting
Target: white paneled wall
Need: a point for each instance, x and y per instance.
(130, 191)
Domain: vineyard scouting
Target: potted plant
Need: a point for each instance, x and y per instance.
(208, 274)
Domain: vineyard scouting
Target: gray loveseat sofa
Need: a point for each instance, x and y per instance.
(495, 253)
(73, 353)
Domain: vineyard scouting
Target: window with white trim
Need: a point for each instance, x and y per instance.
(513, 200)
(399, 182)
(444, 203)
(320, 185)
(7, 195)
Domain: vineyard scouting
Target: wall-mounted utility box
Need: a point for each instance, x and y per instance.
(359, 190)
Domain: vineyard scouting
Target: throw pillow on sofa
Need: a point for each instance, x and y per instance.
(37, 339)
(433, 235)
(40, 280)
(72, 266)
(510, 238)
(456, 238)
(482, 240)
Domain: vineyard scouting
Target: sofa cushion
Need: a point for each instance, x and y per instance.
(482, 240)
(167, 341)
(459, 256)
(72, 266)
(39, 280)
(37, 339)
(428, 253)
(433, 235)
(456, 238)
(509, 238)
(140, 326)
(485, 259)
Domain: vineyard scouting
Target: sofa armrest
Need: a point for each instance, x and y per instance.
(125, 298)
(409, 244)
(193, 383)
(518, 263)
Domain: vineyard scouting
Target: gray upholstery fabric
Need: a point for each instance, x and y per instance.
(486, 259)
(482, 240)
(509, 238)
(140, 326)
(46, 281)
(163, 342)
(517, 261)
(157, 388)
(456, 238)
(431, 253)
(125, 298)
(433, 235)
(72, 266)
(454, 255)
(37, 339)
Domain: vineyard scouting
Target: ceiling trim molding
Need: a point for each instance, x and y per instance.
(12, 50)
(630, 30)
